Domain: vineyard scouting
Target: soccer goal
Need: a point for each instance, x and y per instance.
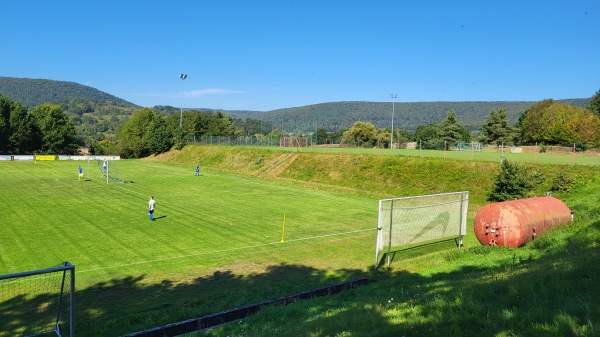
(109, 169)
(468, 147)
(418, 219)
(292, 142)
(38, 302)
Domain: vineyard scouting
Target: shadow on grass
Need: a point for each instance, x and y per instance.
(409, 252)
(552, 295)
(555, 295)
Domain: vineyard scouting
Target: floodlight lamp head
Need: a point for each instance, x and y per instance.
(394, 95)
(183, 76)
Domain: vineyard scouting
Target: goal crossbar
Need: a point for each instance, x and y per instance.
(65, 268)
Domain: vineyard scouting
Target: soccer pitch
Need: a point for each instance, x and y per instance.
(203, 223)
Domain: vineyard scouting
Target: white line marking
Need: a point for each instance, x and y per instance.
(223, 250)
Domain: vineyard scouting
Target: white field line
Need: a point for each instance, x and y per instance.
(223, 250)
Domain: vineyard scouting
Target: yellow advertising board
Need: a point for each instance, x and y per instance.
(45, 157)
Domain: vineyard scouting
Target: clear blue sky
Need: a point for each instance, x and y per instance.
(265, 55)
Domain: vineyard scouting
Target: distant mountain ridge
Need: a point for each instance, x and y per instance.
(33, 92)
(331, 116)
(408, 116)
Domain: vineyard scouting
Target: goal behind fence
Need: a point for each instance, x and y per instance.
(38, 302)
(418, 219)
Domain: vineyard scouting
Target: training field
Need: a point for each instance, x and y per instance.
(210, 225)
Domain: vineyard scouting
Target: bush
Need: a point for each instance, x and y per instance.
(580, 147)
(562, 183)
(513, 182)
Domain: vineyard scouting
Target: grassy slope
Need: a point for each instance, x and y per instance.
(549, 287)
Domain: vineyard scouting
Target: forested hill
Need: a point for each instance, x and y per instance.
(339, 115)
(96, 111)
(33, 92)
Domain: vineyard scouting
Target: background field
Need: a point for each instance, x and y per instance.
(565, 158)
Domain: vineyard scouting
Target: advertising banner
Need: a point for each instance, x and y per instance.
(26, 157)
(45, 157)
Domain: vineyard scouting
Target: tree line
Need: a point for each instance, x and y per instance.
(546, 122)
(44, 130)
(335, 116)
(47, 129)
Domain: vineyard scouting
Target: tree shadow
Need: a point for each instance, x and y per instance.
(491, 300)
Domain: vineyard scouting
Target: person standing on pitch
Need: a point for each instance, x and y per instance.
(80, 171)
(197, 169)
(151, 208)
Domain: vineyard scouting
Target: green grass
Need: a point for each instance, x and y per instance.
(213, 231)
(216, 246)
(585, 158)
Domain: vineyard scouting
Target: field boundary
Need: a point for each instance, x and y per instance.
(212, 320)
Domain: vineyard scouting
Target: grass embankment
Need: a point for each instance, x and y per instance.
(368, 174)
(550, 287)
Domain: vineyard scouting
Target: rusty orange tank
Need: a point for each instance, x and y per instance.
(514, 223)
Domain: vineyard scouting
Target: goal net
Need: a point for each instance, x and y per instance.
(413, 220)
(468, 147)
(109, 170)
(39, 302)
(292, 142)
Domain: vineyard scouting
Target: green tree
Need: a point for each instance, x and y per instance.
(512, 182)
(320, 136)
(429, 137)
(134, 134)
(220, 124)
(159, 135)
(550, 122)
(595, 104)
(274, 134)
(496, 129)
(6, 106)
(147, 132)
(57, 131)
(429, 132)
(104, 147)
(534, 122)
(361, 133)
(25, 135)
(452, 129)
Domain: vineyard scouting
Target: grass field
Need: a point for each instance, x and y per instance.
(203, 224)
(487, 156)
(216, 245)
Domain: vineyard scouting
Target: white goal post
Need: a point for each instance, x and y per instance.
(38, 302)
(411, 220)
(468, 147)
(109, 169)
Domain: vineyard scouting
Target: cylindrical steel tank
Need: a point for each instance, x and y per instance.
(514, 223)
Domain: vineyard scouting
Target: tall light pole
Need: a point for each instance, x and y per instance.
(393, 96)
(183, 77)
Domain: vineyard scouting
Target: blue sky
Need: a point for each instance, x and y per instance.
(265, 55)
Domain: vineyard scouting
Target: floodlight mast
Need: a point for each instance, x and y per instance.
(182, 77)
(393, 96)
